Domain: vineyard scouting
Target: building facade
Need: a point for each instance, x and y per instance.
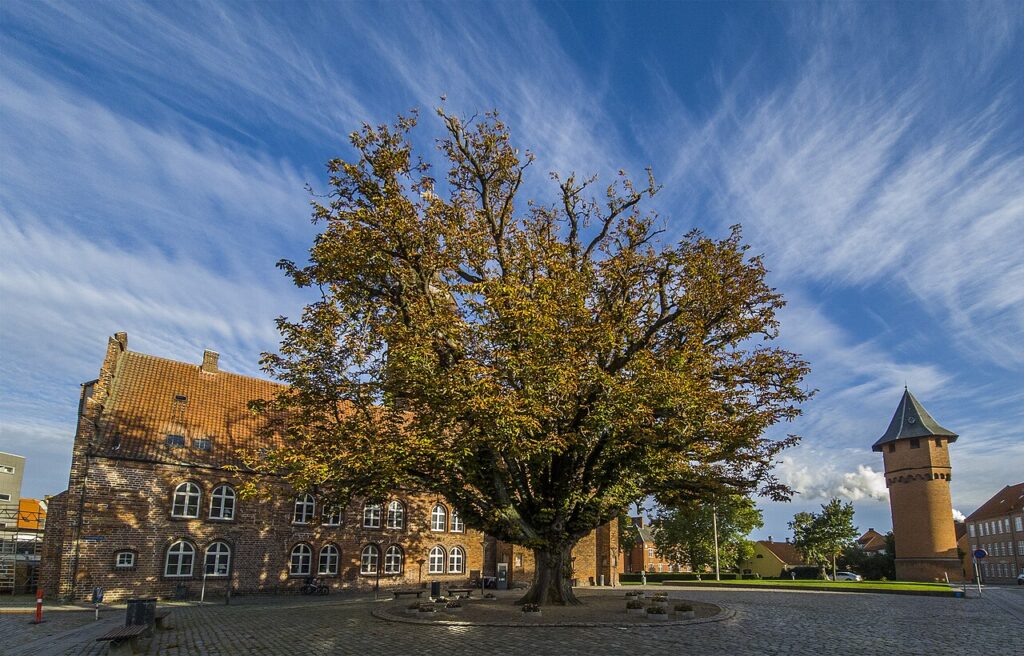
(915, 450)
(644, 556)
(153, 504)
(772, 559)
(998, 528)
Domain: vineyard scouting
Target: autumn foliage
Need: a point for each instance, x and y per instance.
(538, 365)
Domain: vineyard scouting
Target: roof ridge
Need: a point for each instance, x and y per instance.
(198, 366)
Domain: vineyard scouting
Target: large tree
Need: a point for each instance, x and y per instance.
(822, 537)
(538, 365)
(686, 533)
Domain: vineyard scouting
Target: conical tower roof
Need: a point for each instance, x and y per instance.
(912, 420)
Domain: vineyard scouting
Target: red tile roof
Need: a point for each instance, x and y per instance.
(153, 397)
(1008, 500)
(784, 551)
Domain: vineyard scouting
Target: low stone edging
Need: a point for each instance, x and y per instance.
(723, 614)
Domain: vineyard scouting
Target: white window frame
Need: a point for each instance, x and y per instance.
(327, 563)
(6, 469)
(218, 554)
(1018, 523)
(372, 515)
(304, 510)
(436, 560)
(119, 563)
(179, 550)
(300, 560)
(457, 560)
(394, 560)
(188, 497)
(331, 515)
(4, 496)
(396, 516)
(222, 502)
(369, 559)
(970, 529)
(456, 523)
(439, 519)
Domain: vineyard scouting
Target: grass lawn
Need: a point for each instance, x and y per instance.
(881, 586)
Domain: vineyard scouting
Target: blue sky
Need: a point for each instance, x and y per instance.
(154, 156)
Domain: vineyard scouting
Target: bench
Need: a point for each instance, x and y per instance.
(458, 592)
(399, 593)
(124, 639)
(160, 615)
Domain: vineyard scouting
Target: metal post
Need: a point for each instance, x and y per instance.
(977, 574)
(202, 592)
(39, 606)
(714, 522)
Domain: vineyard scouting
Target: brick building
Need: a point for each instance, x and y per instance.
(915, 451)
(998, 528)
(152, 505)
(644, 555)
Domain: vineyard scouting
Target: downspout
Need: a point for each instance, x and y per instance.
(78, 527)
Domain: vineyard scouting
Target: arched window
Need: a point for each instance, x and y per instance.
(180, 557)
(396, 515)
(332, 515)
(218, 559)
(457, 526)
(438, 518)
(186, 501)
(371, 515)
(393, 560)
(456, 560)
(222, 502)
(305, 508)
(328, 560)
(368, 559)
(436, 561)
(301, 561)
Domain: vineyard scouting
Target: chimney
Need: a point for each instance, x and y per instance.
(210, 361)
(638, 521)
(870, 530)
(787, 540)
(769, 538)
(122, 339)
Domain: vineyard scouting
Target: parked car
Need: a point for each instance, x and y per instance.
(848, 576)
(1020, 579)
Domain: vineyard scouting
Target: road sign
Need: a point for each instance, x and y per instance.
(980, 553)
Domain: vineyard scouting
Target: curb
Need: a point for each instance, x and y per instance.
(812, 588)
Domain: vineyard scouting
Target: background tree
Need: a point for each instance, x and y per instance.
(685, 534)
(540, 366)
(875, 565)
(822, 537)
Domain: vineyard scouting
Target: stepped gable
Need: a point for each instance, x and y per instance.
(152, 398)
(911, 420)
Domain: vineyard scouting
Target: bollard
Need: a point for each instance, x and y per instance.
(39, 606)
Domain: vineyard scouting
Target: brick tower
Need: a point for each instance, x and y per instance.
(917, 473)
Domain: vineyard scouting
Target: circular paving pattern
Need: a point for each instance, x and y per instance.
(600, 608)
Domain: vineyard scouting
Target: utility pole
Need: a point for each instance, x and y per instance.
(714, 523)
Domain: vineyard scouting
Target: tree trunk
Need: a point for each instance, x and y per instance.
(552, 578)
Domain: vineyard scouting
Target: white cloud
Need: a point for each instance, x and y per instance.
(813, 478)
(958, 516)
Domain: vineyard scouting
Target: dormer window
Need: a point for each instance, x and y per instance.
(174, 441)
(915, 443)
(180, 398)
(202, 444)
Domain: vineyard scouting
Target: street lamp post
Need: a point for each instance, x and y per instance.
(380, 559)
(714, 523)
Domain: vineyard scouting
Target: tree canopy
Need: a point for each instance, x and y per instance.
(685, 534)
(822, 537)
(540, 365)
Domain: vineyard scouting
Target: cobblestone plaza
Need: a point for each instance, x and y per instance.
(765, 622)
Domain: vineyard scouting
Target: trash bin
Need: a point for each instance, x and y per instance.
(435, 589)
(600, 579)
(141, 612)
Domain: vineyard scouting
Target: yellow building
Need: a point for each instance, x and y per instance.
(772, 559)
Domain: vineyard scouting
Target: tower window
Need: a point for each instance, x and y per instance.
(915, 443)
(892, 447)
(938, 442)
